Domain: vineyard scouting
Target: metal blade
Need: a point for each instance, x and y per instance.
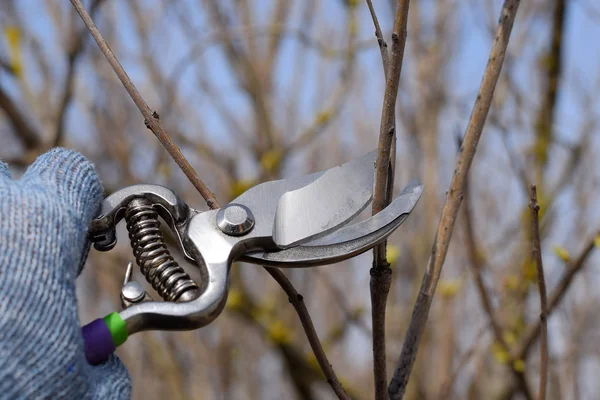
(348, 241)
(403, 204)
(326, 204)
(262, 199)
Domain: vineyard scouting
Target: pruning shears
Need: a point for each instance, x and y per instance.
(289, 223)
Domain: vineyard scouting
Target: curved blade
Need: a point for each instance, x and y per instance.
(329, 202)
(347, 242)
(403, 204)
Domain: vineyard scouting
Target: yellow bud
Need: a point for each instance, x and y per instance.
(509, 338)
(270, 306)
(235, 300)
(529, 270)
(239, 187)
(392, 252)
(312, 361)
(270, 160)
(501, 356)
(357, 313)
(511, 282)
(561, 252)
(597, 241)
(322, 117)
(279, 333)
(337, 332)
(13, 37)
(449, 288)
(519, 365)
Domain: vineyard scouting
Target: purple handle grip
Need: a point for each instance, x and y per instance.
(98, 342)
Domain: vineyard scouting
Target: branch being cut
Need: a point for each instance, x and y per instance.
(536, 255)
(381, 273)
(151, 117)
(151, 120)
(453, 200)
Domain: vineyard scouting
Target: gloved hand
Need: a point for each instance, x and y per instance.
(43, 245)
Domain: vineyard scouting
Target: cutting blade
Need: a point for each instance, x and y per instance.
(326, 204)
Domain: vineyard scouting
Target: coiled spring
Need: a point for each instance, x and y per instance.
(165, 275)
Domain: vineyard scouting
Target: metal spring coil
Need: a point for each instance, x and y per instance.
(165, 275)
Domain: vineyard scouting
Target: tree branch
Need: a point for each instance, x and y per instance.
(75, 51)
(536, 254)
(383, 47)
(477, 263)
(453, 200)
(555, 298)
(381, 273)
(298, 302)
(151, 117)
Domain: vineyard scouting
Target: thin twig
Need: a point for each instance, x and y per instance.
(476, 259)
(298, 302)
(453, 200)
(19, 122)
(555, 298)
(74, 53)
(552, 73)
(383, 47)
(151, 117)
(381, 273)
(446, 386)
(477, 263)
(536, 254)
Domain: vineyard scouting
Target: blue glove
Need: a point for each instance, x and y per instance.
(43, 245)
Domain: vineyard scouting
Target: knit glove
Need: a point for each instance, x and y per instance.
(43, 246)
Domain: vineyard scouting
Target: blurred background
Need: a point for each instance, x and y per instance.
(253, 90)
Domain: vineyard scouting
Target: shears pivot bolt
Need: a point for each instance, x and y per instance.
(235, 220)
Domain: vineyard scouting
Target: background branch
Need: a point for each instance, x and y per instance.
(453, 200)
(536, 255)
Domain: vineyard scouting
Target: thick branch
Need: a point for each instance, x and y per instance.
(151, 117)
(453, 200)
(536, 255)
(381, 274)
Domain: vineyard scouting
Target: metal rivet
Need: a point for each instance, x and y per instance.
(133, 292)
(235, 220)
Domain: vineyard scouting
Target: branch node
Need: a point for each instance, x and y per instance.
(155, 116)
